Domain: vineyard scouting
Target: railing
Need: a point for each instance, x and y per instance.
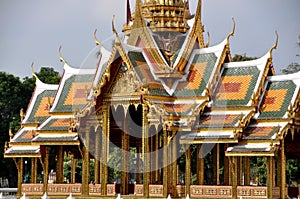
(138, 189)
(64, 189)
(32, 189)
(196, 191)
(94, 189)
(211, 191)
(9, 191)
(156, 190)
(252, 192)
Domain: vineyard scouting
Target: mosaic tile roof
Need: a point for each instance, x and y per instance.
(178, 109)
(23, 150)
(218, 121)
(236, 86)
(263, 149)
(259, 132)
(55, 124)
(144, 73)
(200, 72)
(41, 107)
(23, 136)
(209, 135)
(74, 93)
(277, 98)
(56, 138)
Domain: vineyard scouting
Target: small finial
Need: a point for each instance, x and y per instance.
(22, 115)
(60, 55)
(33, 73)
(232, 31)
(275, 44)
(118, 40)
(98, 43)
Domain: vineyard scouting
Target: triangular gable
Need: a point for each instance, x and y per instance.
(240, 82)
(40, 103)
(73, 90)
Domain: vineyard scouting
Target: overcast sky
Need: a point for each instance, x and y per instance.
(33, 30)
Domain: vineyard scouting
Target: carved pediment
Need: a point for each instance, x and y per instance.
(126, 83)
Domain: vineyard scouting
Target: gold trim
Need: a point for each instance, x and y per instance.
(97, 42)
(61, 59)
(275, 44)
(232, 31)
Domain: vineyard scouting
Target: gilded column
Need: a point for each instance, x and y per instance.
(165, 162)
(247, 170)
(270, 177)
(19, 164)
(157, 177)
(33, 170)
(73, 169)
(227, 180)
(174, 162)
(146, 154)
(278, 179)
(125, 161)
(105, 149)
(216, 164)
(46, 168)
(188, 169)
(97, 156)
(282, 170)
(86, 165)
(200, 165)
(60, 165)
(234, 176)
(240, 170)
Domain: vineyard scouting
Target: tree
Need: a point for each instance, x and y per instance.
(292, 68)
(14, 95)
(243, 57)
(10, 104)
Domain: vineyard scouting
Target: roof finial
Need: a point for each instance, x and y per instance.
(114, 29)
(60, 56)
(275, 44)
(232, 31)
(33, 74)
(98, 43)
(208, 40)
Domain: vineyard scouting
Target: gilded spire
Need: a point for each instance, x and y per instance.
(170, 15)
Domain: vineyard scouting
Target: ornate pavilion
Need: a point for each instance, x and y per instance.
(164, 95)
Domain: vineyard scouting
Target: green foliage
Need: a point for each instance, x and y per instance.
(292, 68)
(244, 57)
(14, 95)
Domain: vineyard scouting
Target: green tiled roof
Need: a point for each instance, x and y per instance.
(197, 89)
(259, 133)
(57, 124)
(61, 106)
(218, 121)
(238, 74)
(281, 108)
(37, 107)
(60, 138)
(23, 137)
(144, 73)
